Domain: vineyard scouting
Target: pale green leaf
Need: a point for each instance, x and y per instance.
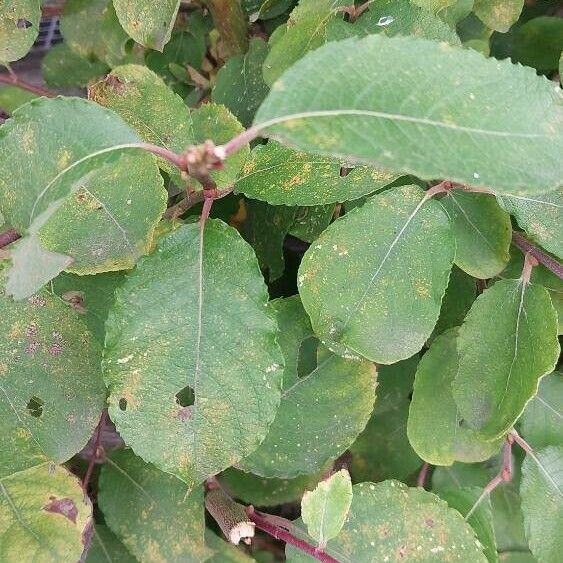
(44, 516)
(261, 491)
(150, 512)
(63, 67)
(240, 86)
(158, 350)
(463, 499)
(279, 175)
(84, 149)
(390, 520)
(161, 117)
(19, 26)
(456, 12)
(459, 297)
(434, 5)
(395, 17)
(325, 508)
(265, 228)
(482, 230)
(321, 412)
(382, 450)
(147, 22)
(80, 26)
(542, 502)
(498, 14)
(509, 338)
(542, 420)
(435, 428)
(305, 30)
(376, 112)
(388, 262)
(51, 390)
(540, 216)
(106, 548)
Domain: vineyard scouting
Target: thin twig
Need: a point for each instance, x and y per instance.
(13, 80)
(95, 455)
(421, 479)
(264, 524)
(179, 160)
(503, 476)
(8, 237)
(543, 258)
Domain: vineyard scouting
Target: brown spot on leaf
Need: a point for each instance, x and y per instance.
(22, 23)
(429, 522)
(402, 551)
(37, 300)
(185, 413)
(115, 84)
(64, 506)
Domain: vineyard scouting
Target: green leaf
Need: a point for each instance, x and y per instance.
(265, 228)
(498, 14)
(260, 491)
(159, 352)
(148, 23)
(324, 509)
(311, 221)
(305, 30)
(396, 17)
(63, 67)
(435, 428)
(44, 515)
(541, 421)
(392, 520)
(90, 296)
(240, 86)
(149, 511)
(80, 26)
(540, 216)
(279, 175)
(452, 128)
(366, 268)
(320, 415)
(394, 384)
(382, 450)
(542, 502)
(433, 5)
(481, 520)
(161, 117)
(459, 297)
(225, 552)
(482, 230)
(51, 390)
(12, 97)
(106, 548)
(75, 160)
(295, 331)
(509, 338)
(19, 27)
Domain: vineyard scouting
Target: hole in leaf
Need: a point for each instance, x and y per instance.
(307, 359)
(185, 397)
(35, 406)
(123, 404)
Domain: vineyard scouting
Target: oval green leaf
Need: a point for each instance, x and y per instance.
(388, 262)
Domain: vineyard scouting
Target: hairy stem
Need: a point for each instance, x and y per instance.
(263, 523)
(230, 22)
(543, 258)
(15, 81)
(421, 479)
(177, 159)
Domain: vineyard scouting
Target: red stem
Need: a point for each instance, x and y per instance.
(237, 142)
(177, 159)
(8, 237)
(527, 247)
(100, 431)
(279, 533)
(421, 480)
(15, 81)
